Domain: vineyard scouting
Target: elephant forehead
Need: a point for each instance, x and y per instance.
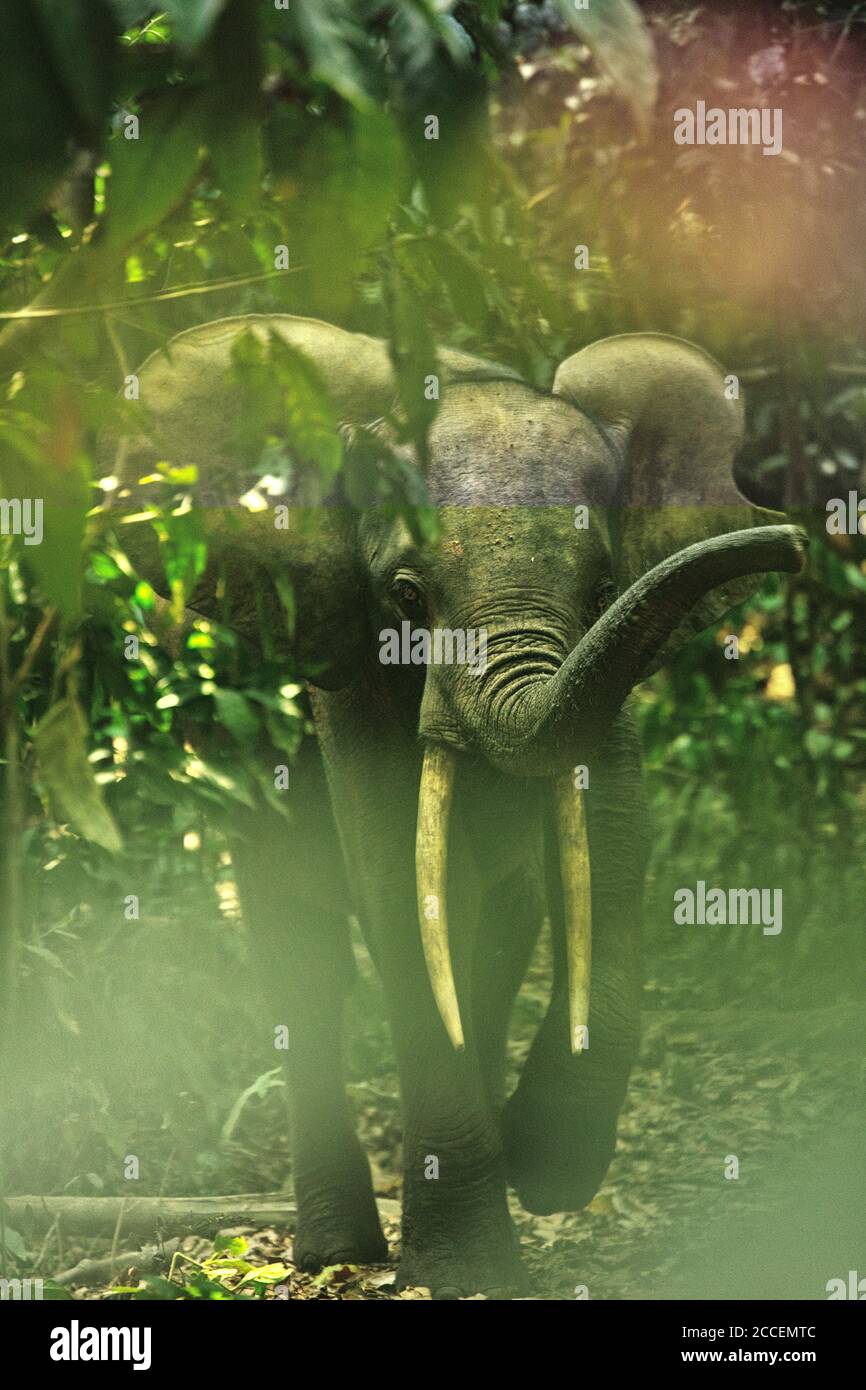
(503, 444)
(521, 548)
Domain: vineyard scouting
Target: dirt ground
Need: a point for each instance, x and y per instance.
(770, 1092)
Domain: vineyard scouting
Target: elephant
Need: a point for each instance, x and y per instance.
(455, 807)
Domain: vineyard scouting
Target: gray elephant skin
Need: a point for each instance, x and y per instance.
(455, 807)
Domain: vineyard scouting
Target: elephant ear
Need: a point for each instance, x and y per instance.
(194, 414)
(674, 433)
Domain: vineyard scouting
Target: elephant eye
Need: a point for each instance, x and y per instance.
(604, 596)
(408, 597)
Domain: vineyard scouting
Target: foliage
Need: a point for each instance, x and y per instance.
(261, 128)
(223, 1274)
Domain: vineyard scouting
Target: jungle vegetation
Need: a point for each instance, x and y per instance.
(156, 159)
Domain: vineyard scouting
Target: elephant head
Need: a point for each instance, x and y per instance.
(586, 533)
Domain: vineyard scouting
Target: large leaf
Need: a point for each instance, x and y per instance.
(622, 47)
(60, 740)
(56, 68)
(130, 12)
(283, 397)
(419, 28)
(435, 74)
(80, 38)
(309, 419)
(50, 468)
(345, 177)
(378, 475)
(183, 538)
(336, 47)
(413, 355)
(37, 117)
(237, 715)
(232, 117)
(151, 175)
(192, 20)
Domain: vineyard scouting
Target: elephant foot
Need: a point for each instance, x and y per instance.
(460, 1250)
(556, 1156)
(338, 1221)
(458, 1272)
(559, 1127)
(336, 1238)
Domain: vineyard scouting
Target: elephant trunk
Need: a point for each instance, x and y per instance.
(539, 727)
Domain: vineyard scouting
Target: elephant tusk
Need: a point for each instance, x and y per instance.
(431, 867)
(577, 898)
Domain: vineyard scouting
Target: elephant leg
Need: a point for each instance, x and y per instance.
(291, 882)
(458, 1238)
(457, 1235)
(511, 919)
(560, 1124)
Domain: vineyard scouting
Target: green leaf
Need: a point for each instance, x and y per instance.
(103, 566)
(617, 33)
(60, 740)
(435, 74)
(284, 395)
(50, 469)
(855, 578)
(186, 476)
(339, 1274)
(311, 421)
(348, 174)
(81, 35)
(237, 715)
(51, 957)
(230, 1245)
(461, 274)
(37, 116)
(842, 620)
(185, 545)
(286, 595)
(15, 1244)
(154, 1288)
(150, 176)
(144, 596)
(418, 29)
(273, 1273)
(59, 1293)
(192, 20)
(335, 46)
(236, 154)
(232, 118)
(259, 1088)
(818, 743)
(412, 350)
(132, 12)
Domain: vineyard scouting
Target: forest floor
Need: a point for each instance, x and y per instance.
(773, 1096)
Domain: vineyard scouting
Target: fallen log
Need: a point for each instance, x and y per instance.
(148, 1216)
(100, 1271)
(157, 1216)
